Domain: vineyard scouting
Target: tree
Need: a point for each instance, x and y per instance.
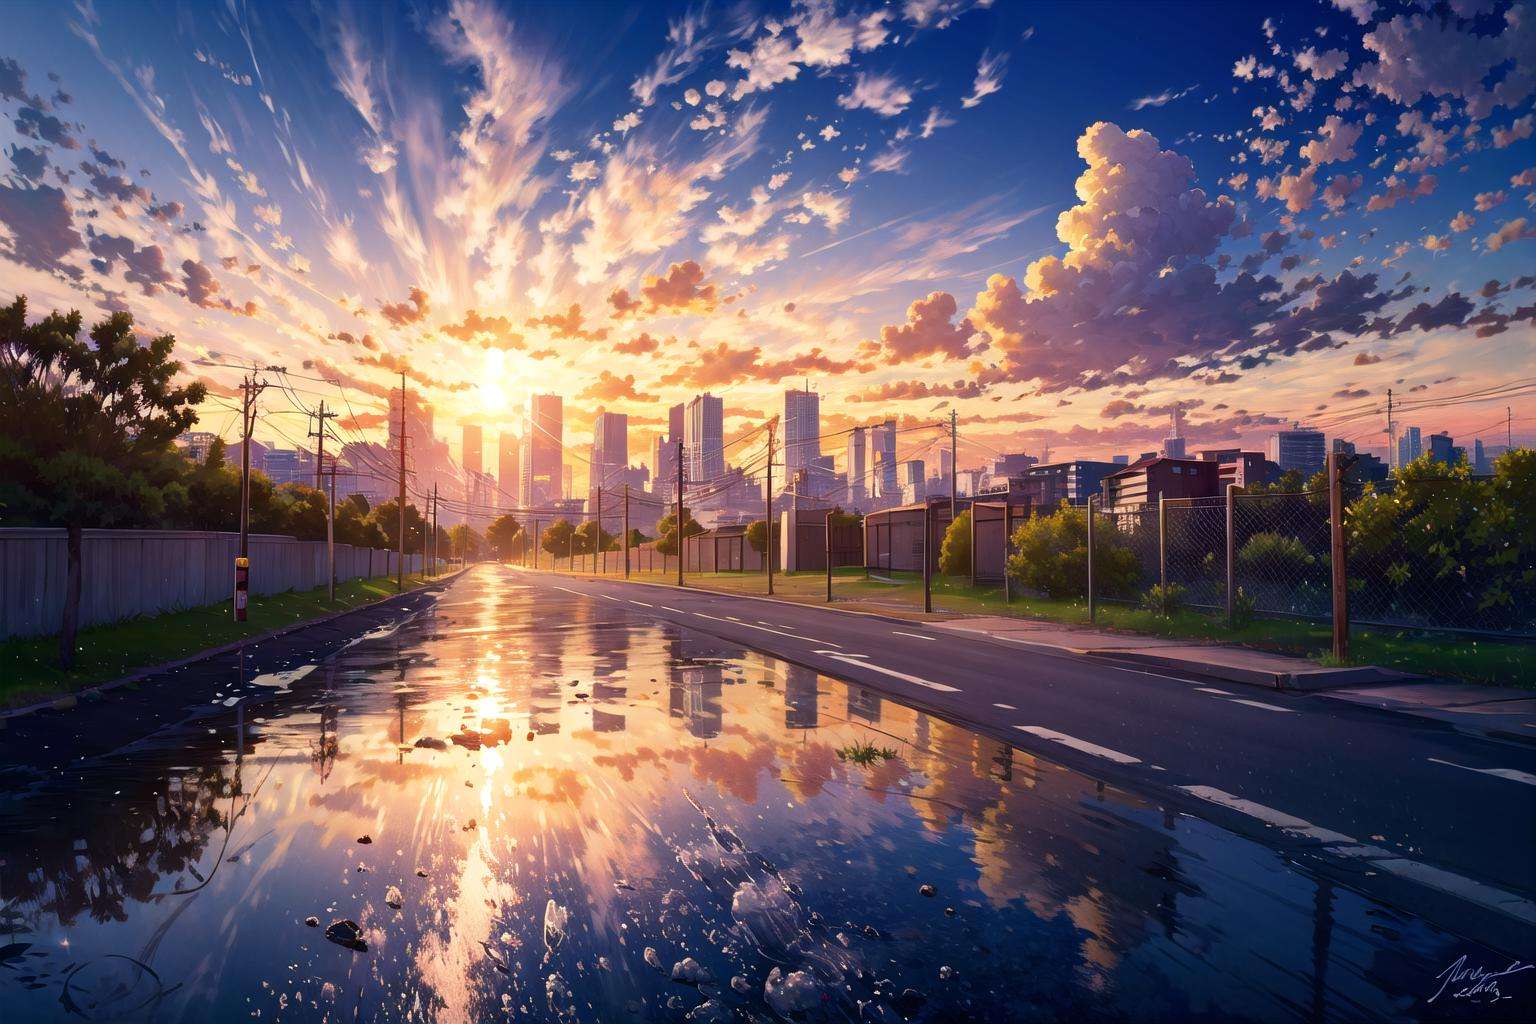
(636, 538)
(501, 536)
(955, 550)
(86, 431)
(353, 525)
(296, 510)
(387, 518)
(557, 538)
(666, 531)
(464, 542)
(584, 539)
(757, 534)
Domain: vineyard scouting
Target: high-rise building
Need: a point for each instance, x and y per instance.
(802, 430)
(610, 450)
(543, 452)
(1481, 464)
(882, 453)
(913, 481)
(1410, 446)
(508, 479)
(1442, 448)
(1301, 449)
(858, 468)
(567, 485)
(418, 426)
(1173, 444)
(705, 439)
(473, 441)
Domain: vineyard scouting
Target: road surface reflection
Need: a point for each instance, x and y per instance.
(537, 806)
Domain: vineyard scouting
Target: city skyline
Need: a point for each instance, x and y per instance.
(1347, 225)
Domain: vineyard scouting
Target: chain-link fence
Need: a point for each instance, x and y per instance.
(1281, 554)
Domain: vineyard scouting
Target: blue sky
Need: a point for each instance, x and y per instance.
(629, 203)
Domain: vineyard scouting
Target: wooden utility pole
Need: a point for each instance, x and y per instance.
(434, 529)
(679, 512)
(768, 513)
(626, 531)
(954, 474)
(597, 538)
(249, 389)
(1340, 580)
(330, 538)
(927, 562)
(1231, 555)
(1091, 499)
(330, 520)
(400, 568)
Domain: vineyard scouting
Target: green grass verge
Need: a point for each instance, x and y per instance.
(109, 652)
(1477, 661)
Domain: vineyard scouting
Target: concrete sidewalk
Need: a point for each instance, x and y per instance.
(1493, 711)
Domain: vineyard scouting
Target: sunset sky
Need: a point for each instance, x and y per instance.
(1058, 218)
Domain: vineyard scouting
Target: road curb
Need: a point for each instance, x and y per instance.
(74, 697)
(1306, 680)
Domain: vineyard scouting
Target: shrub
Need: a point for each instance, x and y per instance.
(1242, 608)
(955, 552)
(1164, 600)
(1274, 557)
(1051, 556)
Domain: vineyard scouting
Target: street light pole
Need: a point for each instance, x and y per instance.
(626, 531)
(768, 521)
(679, 512)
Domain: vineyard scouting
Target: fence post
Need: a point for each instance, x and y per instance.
(1231, 558)
(1007, 541)
(829, 556)
(1340, 573)
(927, 562)
(1091, 499)
(1162, 541)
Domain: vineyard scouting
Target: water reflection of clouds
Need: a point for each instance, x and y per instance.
(627, 718)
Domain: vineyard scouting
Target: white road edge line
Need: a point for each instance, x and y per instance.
(1512, 774)
(766, 629)
(1487, 896)
(1082, 746)
(915, 636)
(642, 604)
(915, 680)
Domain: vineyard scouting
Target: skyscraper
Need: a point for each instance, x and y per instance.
(1442, 448)
(1300, 448)
(882, 447)
(545, 451)
(858, 468)
(1173, 444)
(705, 442)
(610, 450)
(1410, 446)
(802, 430)
(664, 457)
(473, 448)
(474, 491)
(508, 479)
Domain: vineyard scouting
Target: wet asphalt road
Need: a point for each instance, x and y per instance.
(1354, 786)
(539, 798)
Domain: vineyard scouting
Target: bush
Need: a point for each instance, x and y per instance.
(1164, 600)
(1274, 557)
(1242, 608)
(955, 551)
(1051, 557)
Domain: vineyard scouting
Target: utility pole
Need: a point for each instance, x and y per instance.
(249, 389)
(1340, 572)
(626, 531)
(679, 513)
(1509, 428)
(434, 529)
(400, 568)
(597, 539)
(829, 556)
(330, 520)
(954, 426)
(1391, 434)
(768, 542)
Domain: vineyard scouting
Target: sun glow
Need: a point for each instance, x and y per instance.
(493, 395)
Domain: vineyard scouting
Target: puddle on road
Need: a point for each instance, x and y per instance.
(572, 812)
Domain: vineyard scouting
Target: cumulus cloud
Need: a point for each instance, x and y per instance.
(1510, 231)
(1136, 295)
(202, 289)
(724, 364)
(1340, 188)
(680, 290)
(639, 345)
(881, 93)
(1322, 65)
(1485, 201)
(144, 267)
(927, 332)
(1519, 130)
(40, 226)
(609, 387)
(1399, 190)
(35, 124)
(568, 324)
(815, 36)
(1424, 55)
(914, 390)
(486, 331)
(1335, 142)
(408, 312)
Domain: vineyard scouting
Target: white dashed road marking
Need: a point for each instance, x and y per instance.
(1005, 707)
(1082, 746)
(642, 604)
(766, 629)
(1208, 689)
(915, 680)
(1261, 704)
(914, 636)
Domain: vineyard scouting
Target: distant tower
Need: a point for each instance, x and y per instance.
(1173, 444)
